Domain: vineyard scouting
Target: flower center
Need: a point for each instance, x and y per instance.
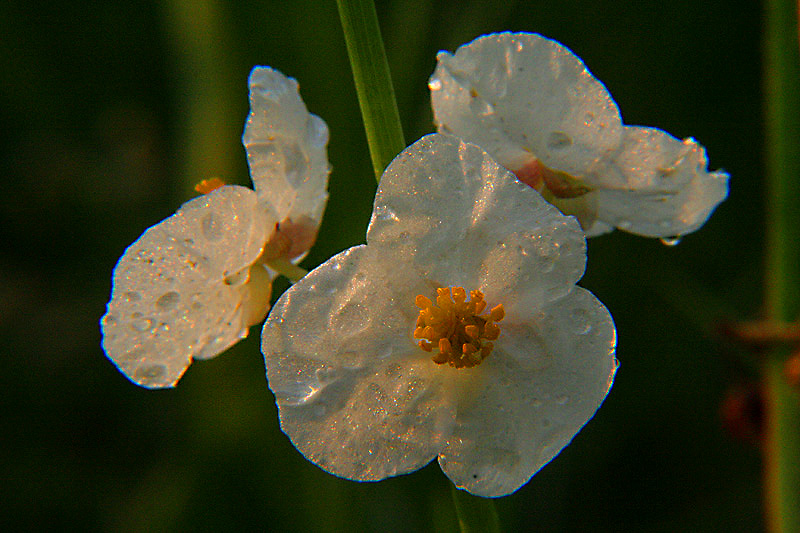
(549, 182)
(456, 327)
(291, 239)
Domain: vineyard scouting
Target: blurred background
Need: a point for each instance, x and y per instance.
(111, 111)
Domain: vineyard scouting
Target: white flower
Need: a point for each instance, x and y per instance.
(288, 161)
(373, 379)
(192, 285)
(533, 104)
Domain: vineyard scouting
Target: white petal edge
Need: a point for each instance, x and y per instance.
(179, 292)
(521, 94)
(355, 395)
(547, 376)
(286, 148)
(463, 220)
(659, 186)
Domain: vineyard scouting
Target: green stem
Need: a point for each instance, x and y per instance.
(782, 404)
(475, 514)
(373, 81)
(206, 91)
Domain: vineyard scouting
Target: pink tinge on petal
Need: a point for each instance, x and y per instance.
(560, 184)
(531, 174)
(291, 239)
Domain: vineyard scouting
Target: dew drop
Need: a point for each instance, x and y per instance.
(581, 323)
(434, 84)
(349, 320)
(137, 354)
(378, 392)
(558, 140)
(624, 224)
(296, 165)
(197, 301)
(317, 131)
(141, 324)
(132, 296)
(168, 300)
(384, 212)
(147, 374)
(211, 228)
(479, 106)
(670, 241)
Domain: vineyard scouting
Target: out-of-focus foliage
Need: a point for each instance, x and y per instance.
(110, 111)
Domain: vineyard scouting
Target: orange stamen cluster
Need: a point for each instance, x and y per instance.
(456, 326)
(206, 186)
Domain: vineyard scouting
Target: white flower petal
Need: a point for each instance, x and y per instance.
(356, 396)
(179, 289)
(548, 374)
(517, 94)
(659, 186)
(523, 97)
(449, 209)
(286, 148)
(359, 398)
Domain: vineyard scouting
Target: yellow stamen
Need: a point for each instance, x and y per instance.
(497, 313)
(456, 326)
(422, 302)
(206, 186)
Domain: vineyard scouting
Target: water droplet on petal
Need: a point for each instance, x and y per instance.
(670, 241)
(434, 84)
(317, 131)
(558, 140)
(135, 355)
(141, 324)
(479, 106)
(211, 228)
(581, 323)
(349, 320)
(132, 296)
(384, 212)
(197, 301)
(168, 300)
(147, 374)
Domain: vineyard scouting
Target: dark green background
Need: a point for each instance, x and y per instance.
(101, 110)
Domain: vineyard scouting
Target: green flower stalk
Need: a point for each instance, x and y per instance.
(373, 81)
(782, 95)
